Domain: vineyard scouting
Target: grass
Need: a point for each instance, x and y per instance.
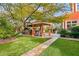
(62, 48)
(20, 46)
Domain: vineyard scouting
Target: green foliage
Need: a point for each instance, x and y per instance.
(22, 12)
(47, 29)
(18, 11)
(64, 33)
(75, 29)
(47, 13)
(6, 28)
(58, 19)
(75, 32)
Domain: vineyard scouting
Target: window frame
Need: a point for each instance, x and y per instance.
(71, 23)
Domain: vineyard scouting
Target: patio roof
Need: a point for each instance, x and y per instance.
(39, 23)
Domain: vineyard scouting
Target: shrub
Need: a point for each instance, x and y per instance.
(6, 28)
(64, 33)
(75, 29)
(75, 32)
(5, 34)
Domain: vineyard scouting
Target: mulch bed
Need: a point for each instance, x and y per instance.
(8, 40)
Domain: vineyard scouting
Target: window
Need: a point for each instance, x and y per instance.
(77, 6)
(71, 24)
(68, 23)
(74, 23)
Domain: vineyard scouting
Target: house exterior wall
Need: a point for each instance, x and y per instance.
(71, 22)
(74, 17)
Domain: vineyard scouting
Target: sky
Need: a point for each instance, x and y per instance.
(1, 8)
(66, 8)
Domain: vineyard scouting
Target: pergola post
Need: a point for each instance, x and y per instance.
(49, 30)
(42, 34)
(33, 31)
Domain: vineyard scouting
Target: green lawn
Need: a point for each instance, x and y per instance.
(62, 48)
(20, 46)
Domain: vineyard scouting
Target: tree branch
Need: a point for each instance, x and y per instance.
(31, 15)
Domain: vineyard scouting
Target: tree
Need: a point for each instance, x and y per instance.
(24, 12)
(17, 12)
(47, 14)
(6, 28)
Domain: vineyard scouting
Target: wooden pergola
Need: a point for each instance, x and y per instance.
(41, 25)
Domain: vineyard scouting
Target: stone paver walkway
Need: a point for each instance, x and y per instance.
(37, 50)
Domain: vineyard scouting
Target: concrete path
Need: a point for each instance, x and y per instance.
(39, 49)
(70, 39)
